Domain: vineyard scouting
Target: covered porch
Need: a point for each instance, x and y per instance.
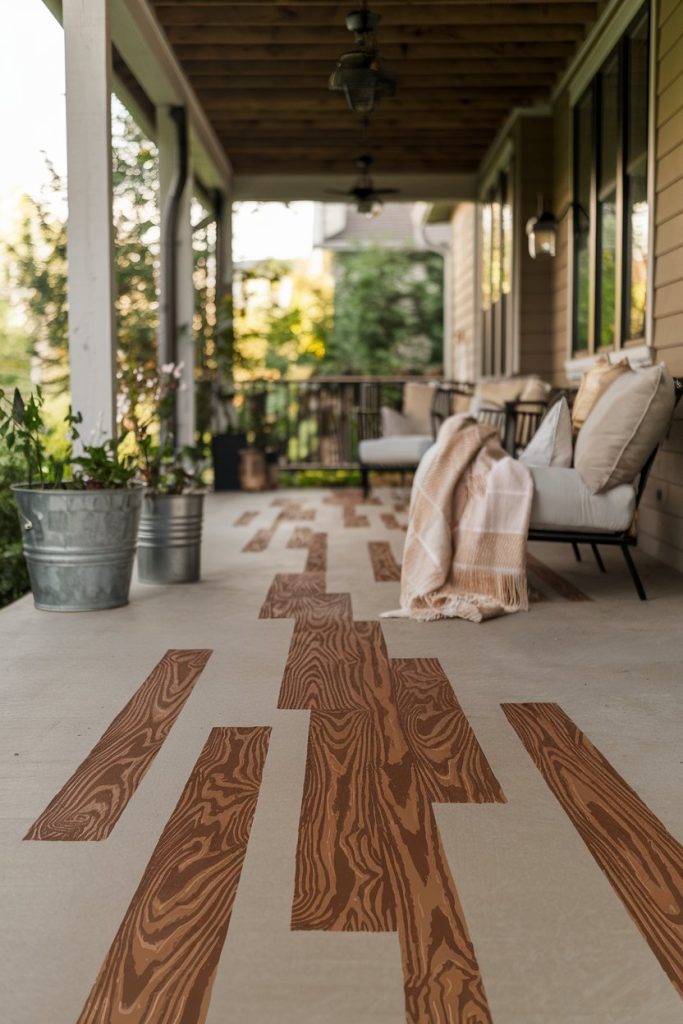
(252, 799)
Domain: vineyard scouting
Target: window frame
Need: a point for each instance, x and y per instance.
(592, 85)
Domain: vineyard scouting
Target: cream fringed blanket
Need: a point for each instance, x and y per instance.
(465, 549)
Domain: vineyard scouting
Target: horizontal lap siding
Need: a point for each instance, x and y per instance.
(561, 197)
(661, 517)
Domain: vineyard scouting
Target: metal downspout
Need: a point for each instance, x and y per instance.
(169, 235)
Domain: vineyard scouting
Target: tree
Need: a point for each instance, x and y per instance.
(388, 312)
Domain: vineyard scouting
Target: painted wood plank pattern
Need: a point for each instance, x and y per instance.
(317, 553)
(448, 758)
(301, 537)
(294, 512)
(385, 568)
(341, 877)
(641, 859)
(162, 962)
(261, 539)
(332, 666)
(548, 576)
(315, 608)
(90, 803)
(350, 496)
(245, 519)
(286, 590)
(352, 519)
(390, 521)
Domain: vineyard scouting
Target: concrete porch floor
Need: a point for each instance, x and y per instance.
(551, 937)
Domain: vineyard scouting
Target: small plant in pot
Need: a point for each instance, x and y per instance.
(78, 512)
(169, 540)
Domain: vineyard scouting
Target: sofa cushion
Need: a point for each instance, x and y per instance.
(562, 501)
(626, 424)
(495, 393)
(551, 445)
(535, 390)
(394, 451)
(417, 405)
(593, 384)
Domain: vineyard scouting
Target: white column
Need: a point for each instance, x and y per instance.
(92, 342)
(176, 301)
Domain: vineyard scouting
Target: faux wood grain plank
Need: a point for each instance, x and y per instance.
(547, 575)
(317, 553)
(450, 763)
(261, 539)
(341, 877)
(286, 590)
(317, 609)
(385, 568)
(641, 859)
(333, 665)
(88, 806)
(352, 519)
(245, 518)
(301, 537)
(163, 959)
(390, 521)
(350, 496)
(442, 981)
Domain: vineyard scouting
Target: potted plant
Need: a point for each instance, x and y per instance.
(78, 511)
(170, 535)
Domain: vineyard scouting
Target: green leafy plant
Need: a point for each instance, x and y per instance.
(91, 467)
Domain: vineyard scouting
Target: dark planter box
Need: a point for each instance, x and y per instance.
(225, 449)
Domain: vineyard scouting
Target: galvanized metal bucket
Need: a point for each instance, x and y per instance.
(79, 545)
(170, 538)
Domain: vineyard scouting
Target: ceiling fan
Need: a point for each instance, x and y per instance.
(368, 199)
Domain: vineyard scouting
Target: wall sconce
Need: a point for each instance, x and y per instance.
(542, 229)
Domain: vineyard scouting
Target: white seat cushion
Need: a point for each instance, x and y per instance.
(563, 501)
(406, 450)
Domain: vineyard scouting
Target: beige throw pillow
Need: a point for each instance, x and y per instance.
(395, 424)
(624, 427)
(593, 384)
(552, 444)
(495, 393)
(535, 390)
(417, 406)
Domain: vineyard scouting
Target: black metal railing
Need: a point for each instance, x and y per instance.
(313, 424)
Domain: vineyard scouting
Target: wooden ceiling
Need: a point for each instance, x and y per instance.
(260, 71)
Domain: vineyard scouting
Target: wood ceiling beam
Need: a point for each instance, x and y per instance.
(294, 35)
(512, 66)
(373, 3)
(244, 84)
(396, 15)
(319, 105)
(419, 51)
(485, 98)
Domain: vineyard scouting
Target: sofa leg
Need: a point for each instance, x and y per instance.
(365, 480)
(634, 573)
(577, 553)
(598, 558)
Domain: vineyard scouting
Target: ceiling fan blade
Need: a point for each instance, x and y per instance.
(337, 192)
(386, 191)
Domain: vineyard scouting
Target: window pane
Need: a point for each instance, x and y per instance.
(609, 125)
(507, 241)
(486, 257)
(496, 252)
(607, 266)
(582, 193)
(637, 212)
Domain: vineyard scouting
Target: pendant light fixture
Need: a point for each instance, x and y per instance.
(359, 74)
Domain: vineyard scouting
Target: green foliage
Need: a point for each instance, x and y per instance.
(388, 312)
(23, 431)
(13, 573)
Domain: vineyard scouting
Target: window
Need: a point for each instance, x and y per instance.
(610, 196)
(496, 276)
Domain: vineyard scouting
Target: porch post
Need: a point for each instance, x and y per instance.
(176, 286)
(224, 271)
(92, 331)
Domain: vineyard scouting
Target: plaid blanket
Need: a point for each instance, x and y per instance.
(465, 549)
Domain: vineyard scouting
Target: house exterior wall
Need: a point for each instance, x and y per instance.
(661, 515)
(464, 285)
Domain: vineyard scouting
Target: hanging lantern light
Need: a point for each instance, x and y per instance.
(359, 74)
(542, 234)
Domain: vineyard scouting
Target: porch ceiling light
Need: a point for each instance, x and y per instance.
(359, 74)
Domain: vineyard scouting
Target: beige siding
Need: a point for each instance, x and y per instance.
(463, 226)
(661, 518)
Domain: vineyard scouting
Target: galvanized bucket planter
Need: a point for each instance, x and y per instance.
(79, 545)
(170, 538)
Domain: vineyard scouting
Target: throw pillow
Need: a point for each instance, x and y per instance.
(551, 445)
(593, 384)
(395, 424)
(535, 390)
(417, 406)
(493, 394)
(624, 427)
